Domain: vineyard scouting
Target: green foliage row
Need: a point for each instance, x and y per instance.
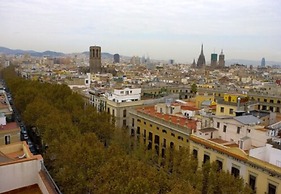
(86, 154)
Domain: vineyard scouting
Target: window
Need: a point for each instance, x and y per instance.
(124, 123)
(231, 111)
(124, 113)
(222, 109)
(132, 132)
(265, 100)
(150, 125)
(224, 128)
(163, 153)
(164, 131)
(164, 142)
(235, 171)
(149, 146)
(195, 153)
(171, 145)
(252, 182)
(206, 158)
(133, 122)
(156, 139)
(271, 189)
(157, 128)
(238, 130)
(150, 136)
(144, 123)
(219, 163)
(172, 134)
(7, 139)
(249, 130)
(180, 138)
(138, 130)
(218, 124)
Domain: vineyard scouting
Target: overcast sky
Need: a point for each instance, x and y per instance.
(162, 29)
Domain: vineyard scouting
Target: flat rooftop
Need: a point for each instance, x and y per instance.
(16, 152)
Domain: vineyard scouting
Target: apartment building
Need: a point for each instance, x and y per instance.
(238, 143)
(158, 130)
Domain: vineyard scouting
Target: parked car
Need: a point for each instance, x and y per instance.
(25, 137)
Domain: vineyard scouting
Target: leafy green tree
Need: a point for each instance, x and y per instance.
(194, 88)
(35, 110)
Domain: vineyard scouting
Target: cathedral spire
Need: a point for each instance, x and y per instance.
(201, 60)
(202, 49)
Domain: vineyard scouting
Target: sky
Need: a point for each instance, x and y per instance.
(160, 29)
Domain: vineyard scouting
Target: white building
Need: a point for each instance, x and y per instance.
(268, 154)
(245, 131)
(125, 95)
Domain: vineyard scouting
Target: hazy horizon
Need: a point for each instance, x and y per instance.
(160, 29)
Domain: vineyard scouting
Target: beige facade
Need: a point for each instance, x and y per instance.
(9, 134)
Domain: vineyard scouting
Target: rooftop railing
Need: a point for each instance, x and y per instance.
(50, 179)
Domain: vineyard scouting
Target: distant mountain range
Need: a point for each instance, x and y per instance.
(7, 51)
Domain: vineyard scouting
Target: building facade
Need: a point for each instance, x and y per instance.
(116, 58)
(214, 60)
(221, 60)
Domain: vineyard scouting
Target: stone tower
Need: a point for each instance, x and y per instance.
(95, 59)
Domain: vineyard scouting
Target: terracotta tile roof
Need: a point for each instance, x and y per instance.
(9, 126)
(170, 118)
(188, 103)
